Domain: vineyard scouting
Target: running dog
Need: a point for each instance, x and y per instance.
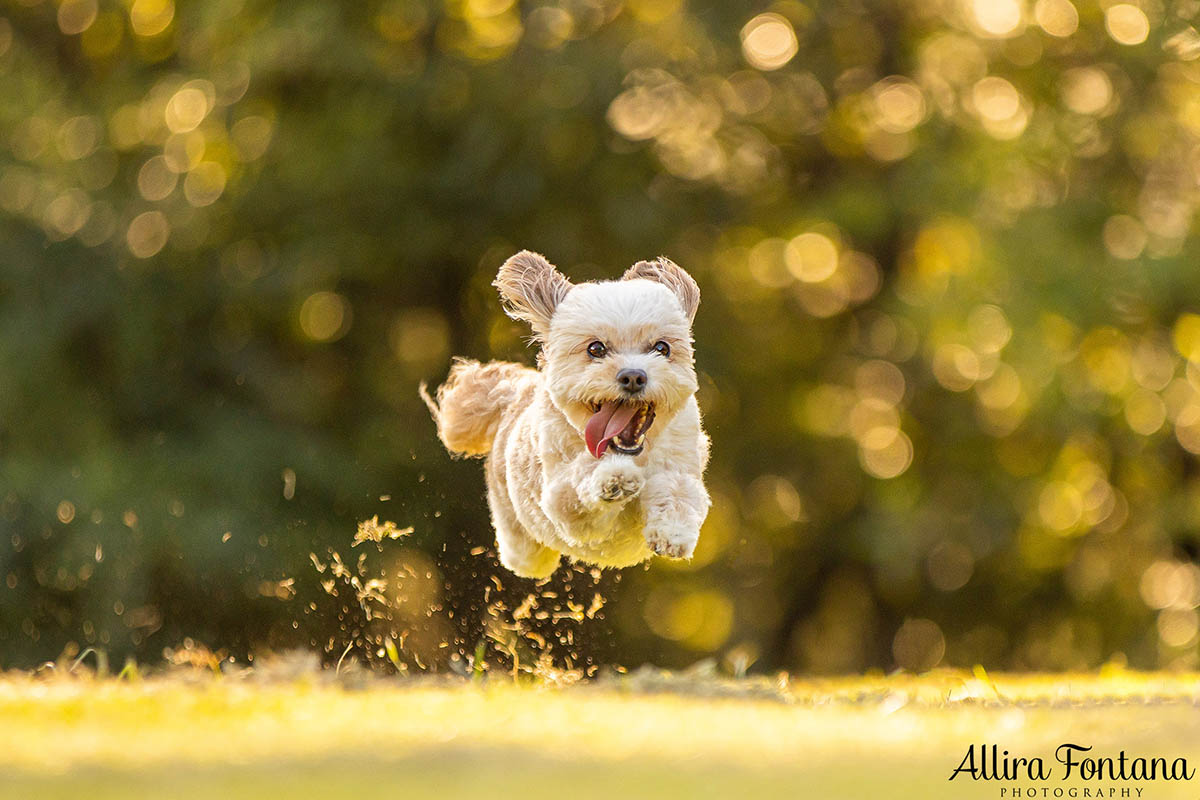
(598, 454)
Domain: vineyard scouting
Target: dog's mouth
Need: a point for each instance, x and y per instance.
(619, 425)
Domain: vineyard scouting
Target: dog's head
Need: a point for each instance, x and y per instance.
(617, 355)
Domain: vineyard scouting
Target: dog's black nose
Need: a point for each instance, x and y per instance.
(632, 380)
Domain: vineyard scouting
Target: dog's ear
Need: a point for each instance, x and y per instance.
(531, 289)
(667, 272)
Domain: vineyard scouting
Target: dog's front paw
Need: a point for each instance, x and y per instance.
(621, 486)
(671, 541)
(610, 483)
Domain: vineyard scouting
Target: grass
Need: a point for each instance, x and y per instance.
(308, 734)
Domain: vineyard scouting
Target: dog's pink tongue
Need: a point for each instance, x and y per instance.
(606, 423)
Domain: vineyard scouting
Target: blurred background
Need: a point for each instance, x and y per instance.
(949, 343)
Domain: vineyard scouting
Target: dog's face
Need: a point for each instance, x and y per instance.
(617, 355)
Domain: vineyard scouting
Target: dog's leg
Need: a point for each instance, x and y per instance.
(589, 494)
(520, 553)
(523, 556)
(675, 504)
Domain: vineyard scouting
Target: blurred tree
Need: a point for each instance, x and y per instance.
(949, 340)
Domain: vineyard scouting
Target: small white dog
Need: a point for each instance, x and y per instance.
(599, 454)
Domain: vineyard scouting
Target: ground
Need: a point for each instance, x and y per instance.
(310, 734)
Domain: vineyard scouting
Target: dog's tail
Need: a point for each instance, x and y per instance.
(470, 403)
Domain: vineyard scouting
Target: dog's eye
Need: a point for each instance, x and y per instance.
(662, 348)
(597, 350)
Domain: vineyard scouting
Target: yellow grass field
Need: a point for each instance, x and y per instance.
(647, 734)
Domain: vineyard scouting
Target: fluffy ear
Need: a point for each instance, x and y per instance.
(531, 289)
(667, 272)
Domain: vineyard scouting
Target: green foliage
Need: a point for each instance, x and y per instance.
(949, 358)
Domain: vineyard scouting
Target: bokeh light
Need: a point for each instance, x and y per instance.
(325, 316)
(919, 645)
(1056, 17)
(151, 17)
(147, 234)
(997, 17)
(769, 41)
(1126, 23)
(76, 16)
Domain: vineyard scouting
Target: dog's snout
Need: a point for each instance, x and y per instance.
(632, 380)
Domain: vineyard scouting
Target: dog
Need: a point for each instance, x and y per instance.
(599, 454)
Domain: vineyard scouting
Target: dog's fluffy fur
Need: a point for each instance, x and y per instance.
(549, 494)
